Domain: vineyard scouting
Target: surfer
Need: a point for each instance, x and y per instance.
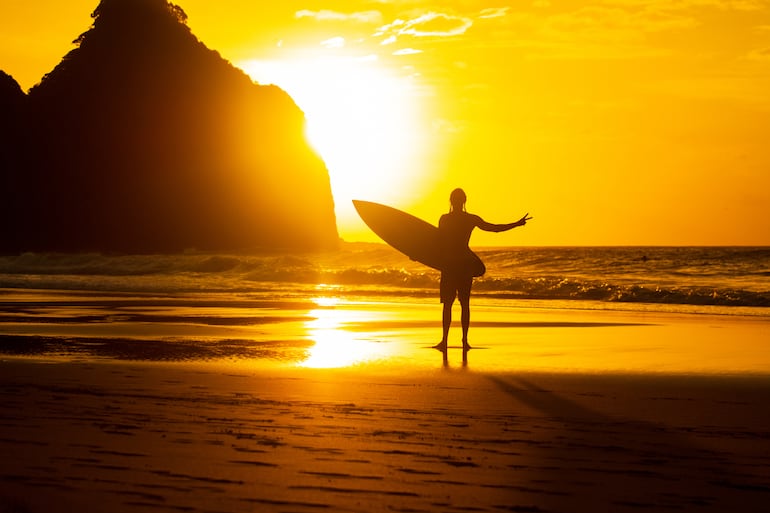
(455, 230)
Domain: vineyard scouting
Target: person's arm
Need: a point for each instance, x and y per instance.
(491, 227)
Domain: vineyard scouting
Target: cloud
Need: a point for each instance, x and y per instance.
(590, 32)
(680, 5)
(608, 24)
(407, 51)
(448, 126)
(334, 42)
(627, 24)
(432, 24)
(328, 15)
(759, 54)
(495, 12)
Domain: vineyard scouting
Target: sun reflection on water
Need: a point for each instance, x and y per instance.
(335, 345)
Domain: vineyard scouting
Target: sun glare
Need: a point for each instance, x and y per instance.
(336, 347)
(361, 118)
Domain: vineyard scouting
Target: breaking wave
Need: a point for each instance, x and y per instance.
(686, 276)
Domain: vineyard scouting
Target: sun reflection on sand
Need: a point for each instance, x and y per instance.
(335, 345)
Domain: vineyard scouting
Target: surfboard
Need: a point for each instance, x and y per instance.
(417, 239)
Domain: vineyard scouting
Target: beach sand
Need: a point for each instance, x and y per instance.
(542, 417)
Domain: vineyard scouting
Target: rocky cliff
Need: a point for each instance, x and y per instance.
(144, 140)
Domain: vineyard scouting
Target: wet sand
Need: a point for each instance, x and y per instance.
(553, 412)
(164, 437)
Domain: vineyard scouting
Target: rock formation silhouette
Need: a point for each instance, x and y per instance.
(144, 140)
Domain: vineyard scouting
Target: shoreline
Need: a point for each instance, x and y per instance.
(380, 335)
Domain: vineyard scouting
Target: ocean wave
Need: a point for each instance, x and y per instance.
(566, 289)
(675, 276)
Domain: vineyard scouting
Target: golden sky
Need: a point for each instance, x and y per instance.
(612, 122)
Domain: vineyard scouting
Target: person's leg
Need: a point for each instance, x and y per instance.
(446, 320)
(464, 295)
(447, 292)
(465, 319)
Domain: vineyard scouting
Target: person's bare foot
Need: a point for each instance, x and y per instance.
(441, 346)
(466, 346)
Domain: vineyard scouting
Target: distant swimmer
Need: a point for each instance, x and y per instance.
(455, 230)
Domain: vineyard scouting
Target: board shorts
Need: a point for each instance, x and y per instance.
(455, 285)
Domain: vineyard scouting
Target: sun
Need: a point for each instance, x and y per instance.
(362, 118)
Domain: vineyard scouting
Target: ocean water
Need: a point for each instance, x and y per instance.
(725, 280)
(574, 308)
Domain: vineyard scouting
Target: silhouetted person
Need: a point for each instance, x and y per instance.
(455, 230)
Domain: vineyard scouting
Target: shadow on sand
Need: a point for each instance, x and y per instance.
(672, 461)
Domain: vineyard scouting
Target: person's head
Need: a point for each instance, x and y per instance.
(457, 199)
